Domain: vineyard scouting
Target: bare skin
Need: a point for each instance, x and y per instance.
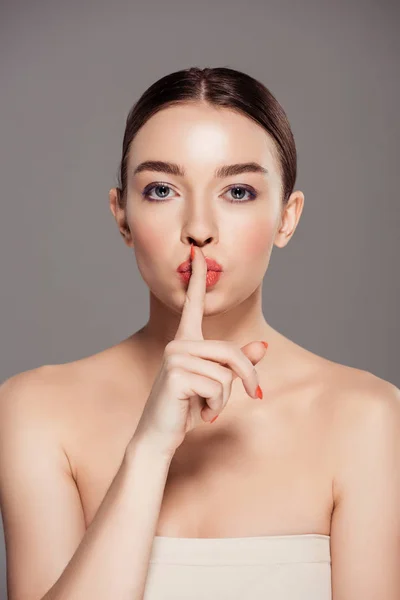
(263, 468)
(241, 237)
(320, 453)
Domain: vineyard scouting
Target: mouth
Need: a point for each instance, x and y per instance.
(212, 265)
(212, 277)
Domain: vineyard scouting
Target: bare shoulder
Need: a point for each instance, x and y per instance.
(362, 411)
(30, 392)
(356, 394)
(340, 390)
(45, 390)
(30, 401)
(81, 401)
(56, 388)
(347, 401)
(343, 388)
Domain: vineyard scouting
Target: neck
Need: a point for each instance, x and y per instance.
(241, 324)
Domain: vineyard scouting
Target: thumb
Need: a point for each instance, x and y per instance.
(254, 351)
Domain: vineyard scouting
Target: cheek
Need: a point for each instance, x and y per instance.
(148, 237)
(145, 237)
(256, 245)
(255, 242)
(152, 248)
(147, 245)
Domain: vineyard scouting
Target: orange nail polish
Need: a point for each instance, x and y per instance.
(191, 251)
(265, 344)
(212, 420)
(259, 392)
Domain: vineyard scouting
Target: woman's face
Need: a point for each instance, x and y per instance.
(235, 219)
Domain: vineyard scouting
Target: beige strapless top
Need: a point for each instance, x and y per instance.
(282, 567)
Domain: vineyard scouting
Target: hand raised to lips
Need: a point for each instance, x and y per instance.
(195, 379)
(212, 265)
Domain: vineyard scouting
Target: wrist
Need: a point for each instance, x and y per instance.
(144, 446)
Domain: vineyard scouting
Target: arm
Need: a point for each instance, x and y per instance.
(365, 531)
(49, 554)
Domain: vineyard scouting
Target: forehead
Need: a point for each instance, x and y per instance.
(200, 135)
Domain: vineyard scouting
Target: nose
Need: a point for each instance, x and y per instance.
(199, 227)
(198, 242)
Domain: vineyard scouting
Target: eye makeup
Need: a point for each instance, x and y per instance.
(252, 193)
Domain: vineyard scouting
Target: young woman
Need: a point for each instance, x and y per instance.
(116, 479)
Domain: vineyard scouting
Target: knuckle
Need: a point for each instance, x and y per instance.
(174, 373)
(170, 348)
(220, 395)
(173, 361)
(227, 377)
(215, 402)
(215, 386)
(218, 390)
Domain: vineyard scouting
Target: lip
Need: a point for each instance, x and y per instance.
(212, 277)
(212, 265)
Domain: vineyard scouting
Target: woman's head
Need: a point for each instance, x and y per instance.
(200, 120)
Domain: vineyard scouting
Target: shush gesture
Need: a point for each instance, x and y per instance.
(195, 379)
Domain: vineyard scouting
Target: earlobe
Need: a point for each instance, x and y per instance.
(125, 231)
(281, 238)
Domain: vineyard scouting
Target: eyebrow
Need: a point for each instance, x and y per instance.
(161, 166)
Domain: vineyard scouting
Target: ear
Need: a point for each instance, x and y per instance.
(119, 213)
(289, 219)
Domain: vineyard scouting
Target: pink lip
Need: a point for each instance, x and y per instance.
(211, 279)
(212, 265)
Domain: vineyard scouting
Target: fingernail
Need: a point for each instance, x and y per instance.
(259, 392)
(212, 420)
(192, 257)
(265, 344)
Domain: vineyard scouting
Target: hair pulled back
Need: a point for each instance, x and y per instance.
(219, 87)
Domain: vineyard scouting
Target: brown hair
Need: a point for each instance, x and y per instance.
(222, 87)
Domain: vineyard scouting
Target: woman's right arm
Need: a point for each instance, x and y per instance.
(50, 555)
(42, 513)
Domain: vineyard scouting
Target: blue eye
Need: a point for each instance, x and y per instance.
(252, 193)
(148, 189)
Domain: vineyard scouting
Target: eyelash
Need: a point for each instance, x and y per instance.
(149, 188)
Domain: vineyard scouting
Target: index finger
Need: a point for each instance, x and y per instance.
(193, 308)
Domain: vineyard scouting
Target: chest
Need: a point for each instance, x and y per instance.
(249, 474)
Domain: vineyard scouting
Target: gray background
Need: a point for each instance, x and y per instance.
(70, 71)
